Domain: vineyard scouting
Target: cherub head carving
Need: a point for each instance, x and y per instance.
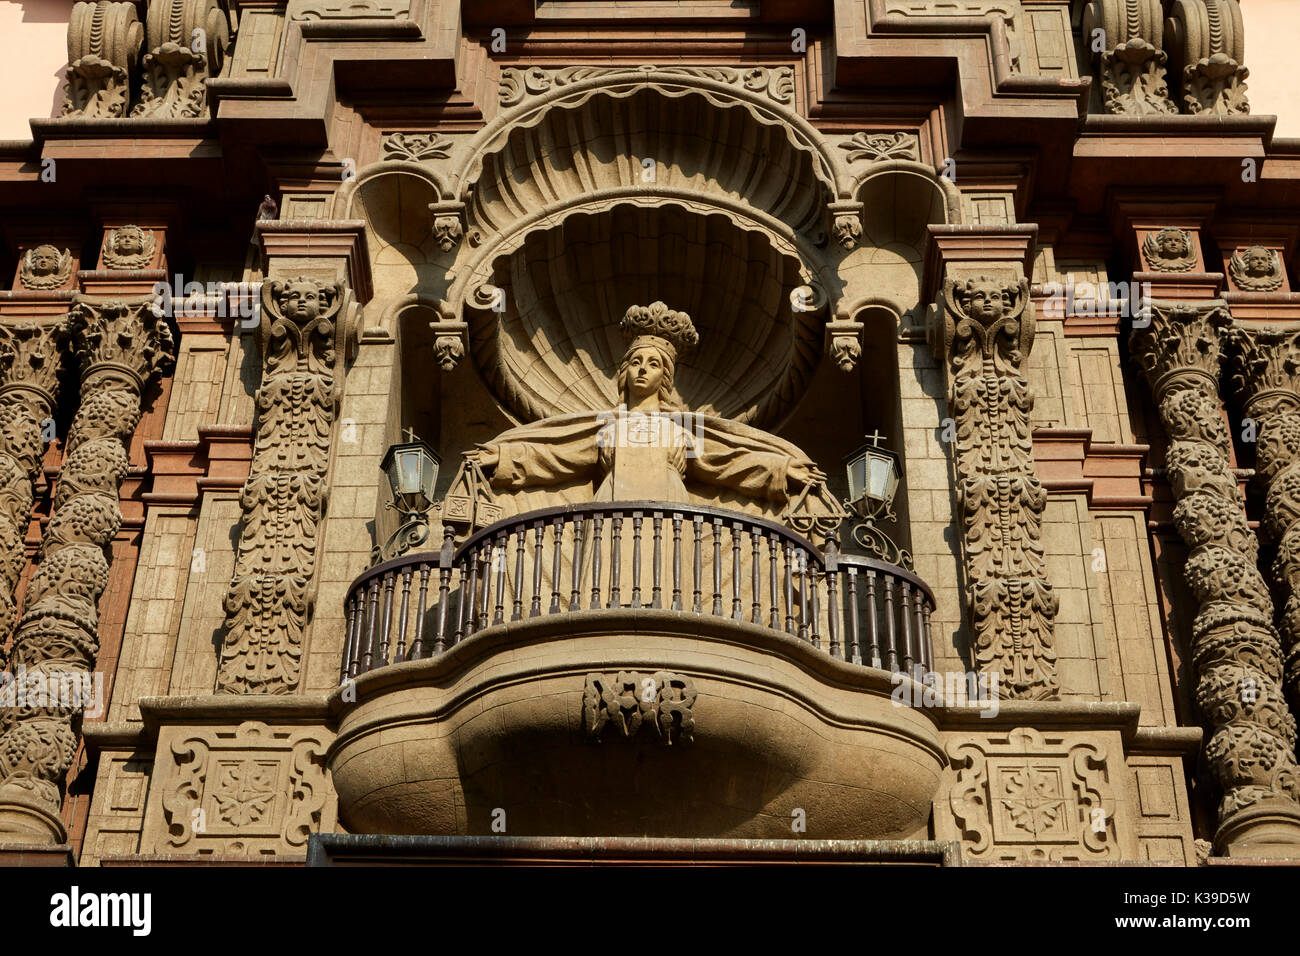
(45, 268)
(129, 247)
(1256, 269)
(1169, 250)
(303, 299)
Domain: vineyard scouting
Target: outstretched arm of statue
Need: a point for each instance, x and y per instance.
(512, 465)
(763, 475)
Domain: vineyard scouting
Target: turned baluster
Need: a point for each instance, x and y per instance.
(615, 558)
(677, 562)
(499, 566)
(774, 619)
(789, 591)
(698, 521)
(891, 631)
(736, 613)
(833, 604)
(517, 609)
(400, 655)
(595, 561)
(575, 596)
(756, 577)
(717, 567)
(350, 648)
(873, 625)
(371, 623)
(539, 533)
(557, 562)
(855, 649)
(656, 588)
(636, 559)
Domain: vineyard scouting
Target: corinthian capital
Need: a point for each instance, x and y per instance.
(120, 338)
(29, 357)
(1266, 370)
(1181, 347)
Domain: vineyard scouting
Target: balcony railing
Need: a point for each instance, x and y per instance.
(625, 556)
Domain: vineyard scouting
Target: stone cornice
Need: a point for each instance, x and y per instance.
(321, 239)
(1069, 462)
(183, 470)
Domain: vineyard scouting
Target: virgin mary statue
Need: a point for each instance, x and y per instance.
(650, 448)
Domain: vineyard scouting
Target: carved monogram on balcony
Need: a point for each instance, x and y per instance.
(628, 701)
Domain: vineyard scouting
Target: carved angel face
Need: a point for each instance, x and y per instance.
(986, 300)
(45, 260)
(1258, 261)
(1172, 243)
(300, 301)
(128, 242)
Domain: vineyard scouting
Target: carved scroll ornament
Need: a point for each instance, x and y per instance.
(1126, 37)
(988, 330)
(1207, 39)
(1235, 649)
(283, 499)
(187, 41)
(122, 345)
(103, 46)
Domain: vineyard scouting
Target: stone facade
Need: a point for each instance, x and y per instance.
(643, 287)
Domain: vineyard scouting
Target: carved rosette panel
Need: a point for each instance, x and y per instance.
(29, 383)
(777, 83)
(248, 790)
(103, 45)
(1267, 378)
(121, 346)
(1130, 57)
(1032, 796)
(988, 330)
(283, 500)
(626, 702)
(177, 64)
(1235, 647)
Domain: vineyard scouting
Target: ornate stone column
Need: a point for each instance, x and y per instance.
(284, 497)
(29, 383)
(1235, 649)
(984, 328)
(1267, 379)
(121, 345)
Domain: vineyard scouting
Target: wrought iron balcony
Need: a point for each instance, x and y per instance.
(625, 556)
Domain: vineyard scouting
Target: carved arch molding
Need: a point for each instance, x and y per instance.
(596, 188)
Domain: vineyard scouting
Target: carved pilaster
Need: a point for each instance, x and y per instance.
(1126, 38)
(103, 46)
(987, 330)
(29, 383)
(1235, 648)
(284, 497)
(121, 345)
(1267, 378)
(187, 41)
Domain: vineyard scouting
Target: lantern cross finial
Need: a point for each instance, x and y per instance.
(875, 437)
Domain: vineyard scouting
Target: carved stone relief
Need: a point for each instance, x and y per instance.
(103, 46)
(1169, 250)
(1008, 11)
(415, 147)
(1131, 60)
(879, 147)
(1256, 269)
(628, 701)
(121, 346)
(987, 331)
(283, 499)
(351, 10)
(1235, 648)
(177, 64)
(251, 790)
(1207, 39)
(1027, 795)
(129, 247)
(1267, 379)
(45, 267)
(777, 83)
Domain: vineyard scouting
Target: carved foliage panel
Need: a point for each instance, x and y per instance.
(253, 789)
(1025, 795)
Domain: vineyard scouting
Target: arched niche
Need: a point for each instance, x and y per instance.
(555, 345)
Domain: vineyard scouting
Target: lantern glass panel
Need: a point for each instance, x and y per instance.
(856, 471)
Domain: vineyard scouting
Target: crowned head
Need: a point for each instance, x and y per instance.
(657, 336)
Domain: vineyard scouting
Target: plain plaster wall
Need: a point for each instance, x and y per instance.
(1272, 44)
(33, 55)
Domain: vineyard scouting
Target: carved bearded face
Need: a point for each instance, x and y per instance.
(986, 301)
(1258, 262)
(45, 260)
(300, 302)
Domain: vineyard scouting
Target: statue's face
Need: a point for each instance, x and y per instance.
(300, 302)
(129, 243)
(1258, 261)
(987, 302)
(45, 260)
(645, 372)
(1172, 245)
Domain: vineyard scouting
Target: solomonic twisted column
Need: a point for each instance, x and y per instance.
(121, 345)
(29, 384)
(1267, 375)
(1235, 649)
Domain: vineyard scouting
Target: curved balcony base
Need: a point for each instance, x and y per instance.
(438, 746)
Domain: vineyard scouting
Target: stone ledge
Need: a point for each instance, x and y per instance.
(338, 849)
